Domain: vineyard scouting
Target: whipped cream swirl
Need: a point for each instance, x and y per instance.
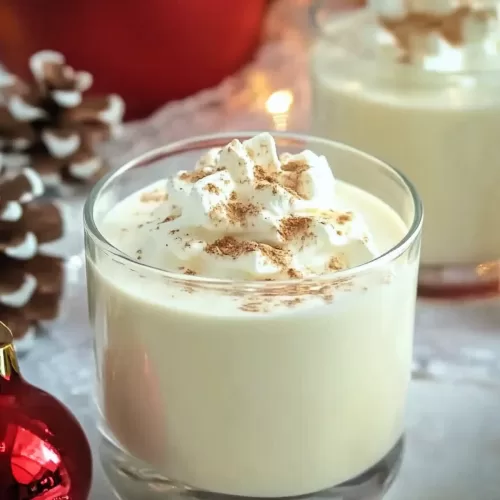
(245, 213)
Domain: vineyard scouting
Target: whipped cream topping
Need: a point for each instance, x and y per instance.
(245, 213)
(438, 35)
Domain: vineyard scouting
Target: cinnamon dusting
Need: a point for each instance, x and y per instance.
(295, 166)
(294, 274)
(238, 212)
(293, 302)
(229, 246)
(292, 228)
(336, 264)
(212, 188)
(288, 180)
(235, 212)
(292, 295)
(253, 307)
(196, 175)
(263, 177)
(292, 172)
(155, 196)
(170, 218)
(326, 294)
(345, 217)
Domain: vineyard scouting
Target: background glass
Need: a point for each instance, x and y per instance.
(433, 117)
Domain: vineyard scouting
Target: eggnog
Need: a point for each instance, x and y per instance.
(231, 358)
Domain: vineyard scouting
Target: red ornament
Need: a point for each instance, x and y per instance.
(44, 454)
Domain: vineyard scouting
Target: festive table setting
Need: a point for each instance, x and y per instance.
(452, 448)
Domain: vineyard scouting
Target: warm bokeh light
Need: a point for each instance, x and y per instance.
(278, 106)
(279, 102)
(489, 270)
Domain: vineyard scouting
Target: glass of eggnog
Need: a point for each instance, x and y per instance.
(416, 83)
(253, 299)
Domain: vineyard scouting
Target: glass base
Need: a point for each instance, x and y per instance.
(459, 281)
(134, 480)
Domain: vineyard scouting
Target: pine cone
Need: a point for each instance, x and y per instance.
(51, 127)
(30, 282)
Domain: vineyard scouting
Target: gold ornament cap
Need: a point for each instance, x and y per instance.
(8, 359)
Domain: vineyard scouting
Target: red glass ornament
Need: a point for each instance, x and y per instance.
(44, 454)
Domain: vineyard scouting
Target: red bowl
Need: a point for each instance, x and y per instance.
(149, 51)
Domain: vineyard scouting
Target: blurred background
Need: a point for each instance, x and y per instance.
(149, 53)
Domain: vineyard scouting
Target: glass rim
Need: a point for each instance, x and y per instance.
(91, 230)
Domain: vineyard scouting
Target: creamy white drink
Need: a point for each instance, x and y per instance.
(420, 90)
(248, 368)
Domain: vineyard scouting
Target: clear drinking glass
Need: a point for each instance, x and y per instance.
(420, 89)
(215, 388)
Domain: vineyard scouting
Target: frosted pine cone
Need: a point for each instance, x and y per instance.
(49, 124)
(30, 282)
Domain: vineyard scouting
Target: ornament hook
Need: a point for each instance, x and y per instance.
(8, 358)
(6, 336)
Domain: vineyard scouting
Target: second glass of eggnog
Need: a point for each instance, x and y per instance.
(416, 83)
(253, 305)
